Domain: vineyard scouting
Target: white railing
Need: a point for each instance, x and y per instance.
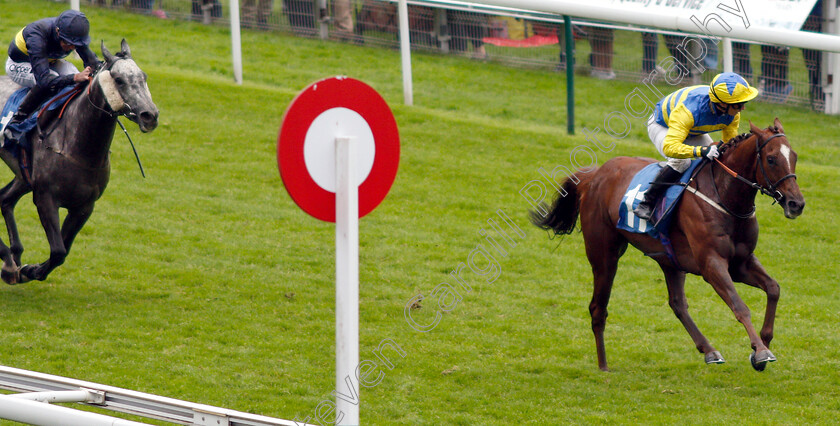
(40, 389)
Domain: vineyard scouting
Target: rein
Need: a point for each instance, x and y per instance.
(69, 95)
(126, 112)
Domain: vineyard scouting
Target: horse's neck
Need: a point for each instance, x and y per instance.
(740, 159)
(96, 122)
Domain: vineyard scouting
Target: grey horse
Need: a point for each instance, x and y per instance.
(70, 165)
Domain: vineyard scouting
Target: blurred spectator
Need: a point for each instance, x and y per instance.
(301, 15)
(204, 10)
(421, 24)
(559, 30)
(673, 42)
(382, 16)
(343, 20)
(256, 13)
(650, 53)
(774, 84)
(467, 28)
(710, 60)
(813, 58)
(741, 60)
(676, 46)
(142, 4)
(601, 41)
(376, 16)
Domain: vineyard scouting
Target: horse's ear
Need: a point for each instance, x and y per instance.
(125, 49)
(106, 54)
(778, 125)
(753, 129)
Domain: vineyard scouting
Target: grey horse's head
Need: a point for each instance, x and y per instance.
(125, 88)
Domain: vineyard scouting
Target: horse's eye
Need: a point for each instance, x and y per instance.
(771, 160)
(119, 80)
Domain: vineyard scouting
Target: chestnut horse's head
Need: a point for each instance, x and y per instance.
(776, 168)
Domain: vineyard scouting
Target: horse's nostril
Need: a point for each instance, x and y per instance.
(795, 206)
(148, 116)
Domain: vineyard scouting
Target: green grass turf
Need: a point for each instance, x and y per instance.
(205, 282)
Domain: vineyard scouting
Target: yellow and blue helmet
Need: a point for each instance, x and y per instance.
(731, 88)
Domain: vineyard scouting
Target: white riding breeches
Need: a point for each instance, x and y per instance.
(21, 72)
(657, 133)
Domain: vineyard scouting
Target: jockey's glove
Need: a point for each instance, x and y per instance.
(709, 152)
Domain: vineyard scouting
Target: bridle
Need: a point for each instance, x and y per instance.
(125, 111)
(769, 190)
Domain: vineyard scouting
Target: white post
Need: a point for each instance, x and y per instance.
(831, 72)
(346, 278)
(405, 53)
(726, 50)
(74, 4)
(236, 41)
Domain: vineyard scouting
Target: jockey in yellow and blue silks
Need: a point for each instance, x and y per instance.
(681, 122)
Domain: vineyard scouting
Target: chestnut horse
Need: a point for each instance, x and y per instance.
(714, 231)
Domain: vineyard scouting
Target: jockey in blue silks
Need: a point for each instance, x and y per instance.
(681, 122)
(36, 59)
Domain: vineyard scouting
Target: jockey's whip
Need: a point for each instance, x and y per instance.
(132, 148)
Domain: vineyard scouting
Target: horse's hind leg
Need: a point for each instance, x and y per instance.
(675, 281)
(9, 198)
(603, 254)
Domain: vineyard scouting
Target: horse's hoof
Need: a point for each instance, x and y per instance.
(759, 360)
(714, 357)
(10, 277)
(21, 276)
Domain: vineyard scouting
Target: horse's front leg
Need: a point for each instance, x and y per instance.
(716, 272)
(48, 213)
(753, 274)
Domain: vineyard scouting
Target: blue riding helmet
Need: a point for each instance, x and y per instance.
(73, 28)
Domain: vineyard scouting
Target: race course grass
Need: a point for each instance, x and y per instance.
(205, 282)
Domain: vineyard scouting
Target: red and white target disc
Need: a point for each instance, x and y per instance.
(326, 110)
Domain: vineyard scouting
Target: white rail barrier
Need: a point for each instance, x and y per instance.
(46, 387)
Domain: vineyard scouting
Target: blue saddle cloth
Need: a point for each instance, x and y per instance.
(27, 125)
(663, 213)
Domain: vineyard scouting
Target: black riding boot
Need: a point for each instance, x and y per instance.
(30, 103)
(665, 176)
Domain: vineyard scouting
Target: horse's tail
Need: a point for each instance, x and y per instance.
(562, 216)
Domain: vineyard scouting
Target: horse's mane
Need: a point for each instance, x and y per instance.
(734, 142)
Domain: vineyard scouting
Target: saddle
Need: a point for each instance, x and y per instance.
(663, 213)
(17, 154)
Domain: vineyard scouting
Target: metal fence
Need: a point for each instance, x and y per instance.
(783, 75)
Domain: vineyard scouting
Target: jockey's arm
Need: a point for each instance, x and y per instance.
(41, 71)
(679, 123)
(731, 130)
(88, 57)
